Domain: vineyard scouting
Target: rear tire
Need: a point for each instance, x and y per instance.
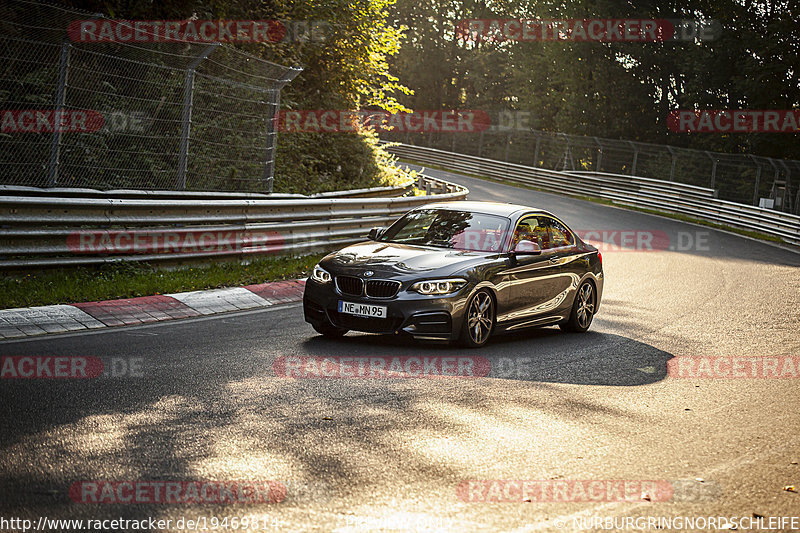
(326, 329)
(479, 319)
(582, 309)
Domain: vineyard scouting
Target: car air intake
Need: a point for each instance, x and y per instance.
(379, 288)
(349, 285)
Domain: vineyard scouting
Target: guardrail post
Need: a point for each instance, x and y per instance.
(758, 179)
(674, 161)
(186, 119)
(61, 94)
(713, 169)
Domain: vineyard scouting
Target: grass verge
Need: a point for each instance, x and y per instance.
(128, 280)
(603, 201)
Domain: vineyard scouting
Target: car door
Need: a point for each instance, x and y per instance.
(563, 250)
(530, 281)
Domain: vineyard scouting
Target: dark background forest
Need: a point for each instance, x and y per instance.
(407, 55)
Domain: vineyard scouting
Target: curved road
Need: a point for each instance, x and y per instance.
(389, 455)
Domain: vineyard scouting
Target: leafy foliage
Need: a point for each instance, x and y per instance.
(619, 90)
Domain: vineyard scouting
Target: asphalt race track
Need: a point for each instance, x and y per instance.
(390, 454)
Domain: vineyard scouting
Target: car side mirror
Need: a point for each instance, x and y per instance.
(375, 233)
(525, 247)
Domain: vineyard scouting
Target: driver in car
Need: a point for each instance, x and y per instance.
(524, 232)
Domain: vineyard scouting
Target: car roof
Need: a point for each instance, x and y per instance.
(488, 208)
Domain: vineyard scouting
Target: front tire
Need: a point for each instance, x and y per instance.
(479, 319)
(582, 309)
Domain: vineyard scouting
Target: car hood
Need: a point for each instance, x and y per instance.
(397, 260)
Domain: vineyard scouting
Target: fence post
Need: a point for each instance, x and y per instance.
(186, 119)
(508, 145)
(775, 179)
(674, 160)
(61, 94)
(635, 157)
(272, 133)
(758, 179)
(567, 154)
(787, 207)
(272, 140)
(797, 202)
(713, 169)
(599, 154)
(480, 144)
(536, 150)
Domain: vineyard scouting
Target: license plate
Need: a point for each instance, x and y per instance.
(371, 311)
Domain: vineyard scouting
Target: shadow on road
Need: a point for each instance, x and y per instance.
(541, 355)
(213, 409)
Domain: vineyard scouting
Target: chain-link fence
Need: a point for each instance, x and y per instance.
(737, 177)
(130, 113)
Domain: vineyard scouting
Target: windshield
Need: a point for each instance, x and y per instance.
(445, 228)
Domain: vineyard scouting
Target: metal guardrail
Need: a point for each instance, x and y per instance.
(739, 178)
(76, 192)
(669, 197)
(47, 231)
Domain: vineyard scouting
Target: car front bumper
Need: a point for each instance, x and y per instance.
(423, 317)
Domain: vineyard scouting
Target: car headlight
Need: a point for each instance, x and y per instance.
(438, 286)
(320, 274)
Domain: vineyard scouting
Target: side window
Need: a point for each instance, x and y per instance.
(532, 229)
(523, 231)
(559, 234)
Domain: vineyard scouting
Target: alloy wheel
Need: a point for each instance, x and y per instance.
(480, 317)
(585, 305)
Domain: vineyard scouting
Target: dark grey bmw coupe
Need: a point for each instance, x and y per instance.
(458, 271)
